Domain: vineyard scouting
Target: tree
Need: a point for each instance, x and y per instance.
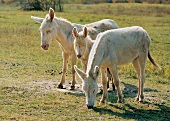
(2, 1)
(41, 5)
(59, 6)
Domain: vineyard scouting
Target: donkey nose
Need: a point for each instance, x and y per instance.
(79, 56)
(89, 107)
(45, 47)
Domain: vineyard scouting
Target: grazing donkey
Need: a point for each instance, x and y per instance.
(82, 45)
(113, 48)
(53, 28)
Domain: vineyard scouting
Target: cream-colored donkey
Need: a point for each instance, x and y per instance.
(53, 28)
(113, 48)
(82, 45)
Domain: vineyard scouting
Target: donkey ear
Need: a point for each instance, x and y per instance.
(75, 33)
(96, 72)
(51, 13)
(39, 20)
(85, 32)
(80, 73)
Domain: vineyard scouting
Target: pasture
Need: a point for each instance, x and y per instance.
(29, 75)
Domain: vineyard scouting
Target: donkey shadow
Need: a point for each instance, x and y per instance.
(128, 91)
(131, 112)
(137, 113)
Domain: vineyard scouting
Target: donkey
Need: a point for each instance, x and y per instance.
(82, 45)
(113, 48)
(53, 28)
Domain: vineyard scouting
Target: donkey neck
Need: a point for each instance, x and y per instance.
(89, 44)
(64, 29)
(95, 58)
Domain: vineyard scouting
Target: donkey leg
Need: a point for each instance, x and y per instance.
(137, 68)
(73, 59)
(115, 76)
(109, 77)
(104, 83)
(142, 63)
(64, 69)
(113, 86)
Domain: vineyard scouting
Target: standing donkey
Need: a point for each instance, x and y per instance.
(82, 45)
(113, 48)
(53, 28)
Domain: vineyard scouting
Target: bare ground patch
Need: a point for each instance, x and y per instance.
(41, 87)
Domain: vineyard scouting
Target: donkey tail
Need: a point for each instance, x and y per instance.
(152, 60)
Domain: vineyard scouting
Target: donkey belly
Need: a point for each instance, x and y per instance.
(126, 59)
(124, 55)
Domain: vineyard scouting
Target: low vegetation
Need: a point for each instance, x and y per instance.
(29, 75)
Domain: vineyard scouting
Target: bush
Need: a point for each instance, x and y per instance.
(157, 1)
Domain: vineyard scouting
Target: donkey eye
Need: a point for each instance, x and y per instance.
(48, 31)
(93, 91)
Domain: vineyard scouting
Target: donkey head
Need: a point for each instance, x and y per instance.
(89, 85)
(47, 29)
(79, 41)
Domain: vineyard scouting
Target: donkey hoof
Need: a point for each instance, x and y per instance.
(102, 102)
(140, 100)
(60, 86)
(109, 90)
(72, 87)
(137, 99)
(119, 101)
(100, 92)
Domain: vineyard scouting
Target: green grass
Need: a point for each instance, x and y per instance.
(29, 75)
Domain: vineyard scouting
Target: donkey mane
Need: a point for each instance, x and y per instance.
(88, 39)
(64, 20)
(93, 55)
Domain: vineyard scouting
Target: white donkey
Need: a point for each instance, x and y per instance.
(53, 28)
(82, 45)
(113, 48)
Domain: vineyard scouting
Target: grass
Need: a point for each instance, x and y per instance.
(121, 9)
(29, 75)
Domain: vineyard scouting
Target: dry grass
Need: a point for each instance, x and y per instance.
(122, 9)
(29, 75)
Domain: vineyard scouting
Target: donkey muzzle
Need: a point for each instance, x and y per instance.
(45, 47)
(79, 56)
